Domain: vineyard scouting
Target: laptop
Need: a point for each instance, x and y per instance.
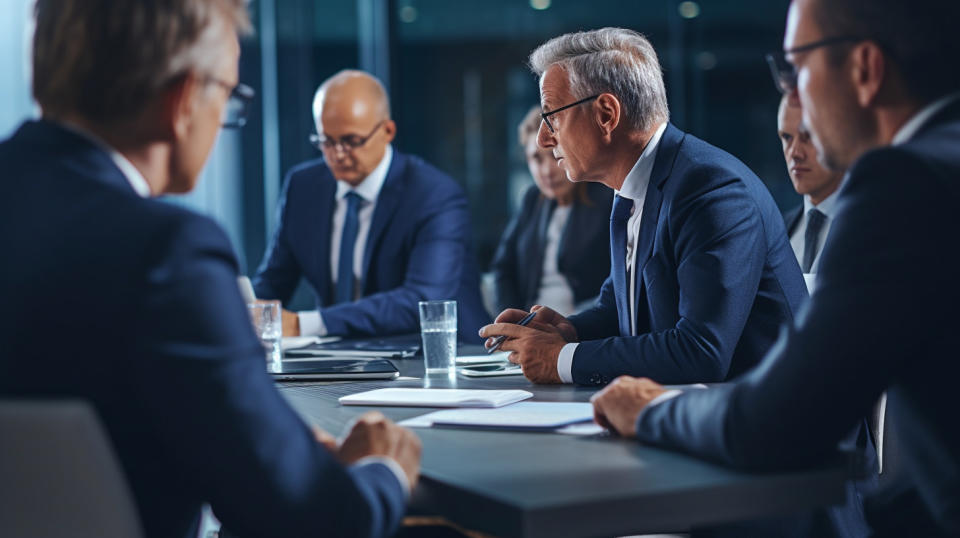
(332, 369)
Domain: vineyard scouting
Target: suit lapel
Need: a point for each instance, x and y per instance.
(792, 218)
(322, 220)
(662, 166)
(535, 265)
(387, 203)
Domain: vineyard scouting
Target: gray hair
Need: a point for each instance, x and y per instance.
(106, 59)
(614, 60)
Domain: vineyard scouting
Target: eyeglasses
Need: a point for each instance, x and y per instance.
(346, 144)
(546, 115)
(785, 74)
(238, 103)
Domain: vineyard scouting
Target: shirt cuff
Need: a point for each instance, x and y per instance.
(390, 464)
(565, 362)
(311, 323)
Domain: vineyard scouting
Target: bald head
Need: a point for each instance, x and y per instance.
(352, 114)
(354, 92)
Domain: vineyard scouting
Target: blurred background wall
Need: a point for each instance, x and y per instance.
(459, 85)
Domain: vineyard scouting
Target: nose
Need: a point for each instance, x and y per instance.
(545, 138)
(797, 151)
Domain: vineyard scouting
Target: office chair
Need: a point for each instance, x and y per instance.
(60, 476)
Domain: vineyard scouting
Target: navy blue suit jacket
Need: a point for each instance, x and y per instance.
(132, 304)
(716, 277)
(418, 249)
(883, 316)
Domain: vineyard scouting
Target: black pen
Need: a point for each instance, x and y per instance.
(499, 340)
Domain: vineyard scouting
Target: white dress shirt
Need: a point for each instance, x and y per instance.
(555, 291)
(635, 188)
(311, 321)
(828, 206)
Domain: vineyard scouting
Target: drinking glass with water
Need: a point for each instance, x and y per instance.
(438, 328)
(268, 325)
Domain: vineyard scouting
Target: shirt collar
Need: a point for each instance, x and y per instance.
(827, 206)
(133, 176)
(635, 184)
(910, 128)
(369, 188)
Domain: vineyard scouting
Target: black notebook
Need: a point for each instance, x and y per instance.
(400, 346)
(330, 369)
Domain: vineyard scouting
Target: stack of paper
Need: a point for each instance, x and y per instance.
(528, 416)
(436, 397)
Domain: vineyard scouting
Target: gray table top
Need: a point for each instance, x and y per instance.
(543, 484)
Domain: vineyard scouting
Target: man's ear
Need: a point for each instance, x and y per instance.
(868, 70)
(607, 112)
(176, 106)
(390, 130)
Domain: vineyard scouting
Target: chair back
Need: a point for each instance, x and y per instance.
(60, 476)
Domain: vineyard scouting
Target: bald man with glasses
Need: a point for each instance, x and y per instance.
(372, 230)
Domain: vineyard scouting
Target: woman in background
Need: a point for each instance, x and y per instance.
(556, 250)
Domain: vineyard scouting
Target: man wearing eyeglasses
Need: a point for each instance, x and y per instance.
(131, 304)
(373, 230)
(702, 275)
(881, 97)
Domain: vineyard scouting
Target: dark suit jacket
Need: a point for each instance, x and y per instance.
(883, 316)
(418, 249)
(132, 304)
(792, 218)
(583, 257)
(717, 275)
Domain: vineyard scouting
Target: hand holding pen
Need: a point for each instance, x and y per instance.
(500, 339)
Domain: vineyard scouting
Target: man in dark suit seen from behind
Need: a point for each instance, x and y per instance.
(808, 224)
(160, 341)
(372, 230)
(881, 99)
(702, 275)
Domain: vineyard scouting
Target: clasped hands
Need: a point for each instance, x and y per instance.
(373, 434)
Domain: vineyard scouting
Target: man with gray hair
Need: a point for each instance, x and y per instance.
(702, 274)
(133, 95)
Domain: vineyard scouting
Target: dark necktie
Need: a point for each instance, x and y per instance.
(815, 222)
(618, 259)
(348, 240)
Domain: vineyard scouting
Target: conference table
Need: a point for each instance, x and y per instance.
(529, 484)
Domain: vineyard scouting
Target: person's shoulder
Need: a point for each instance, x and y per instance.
(312, 170)
(701, 168)
(530, 196)
(424, 179)
(906, 171)
(713, 162)
(166, 228)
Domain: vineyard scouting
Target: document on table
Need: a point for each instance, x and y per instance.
(475, 360)
(436, 397)
(523, 416)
